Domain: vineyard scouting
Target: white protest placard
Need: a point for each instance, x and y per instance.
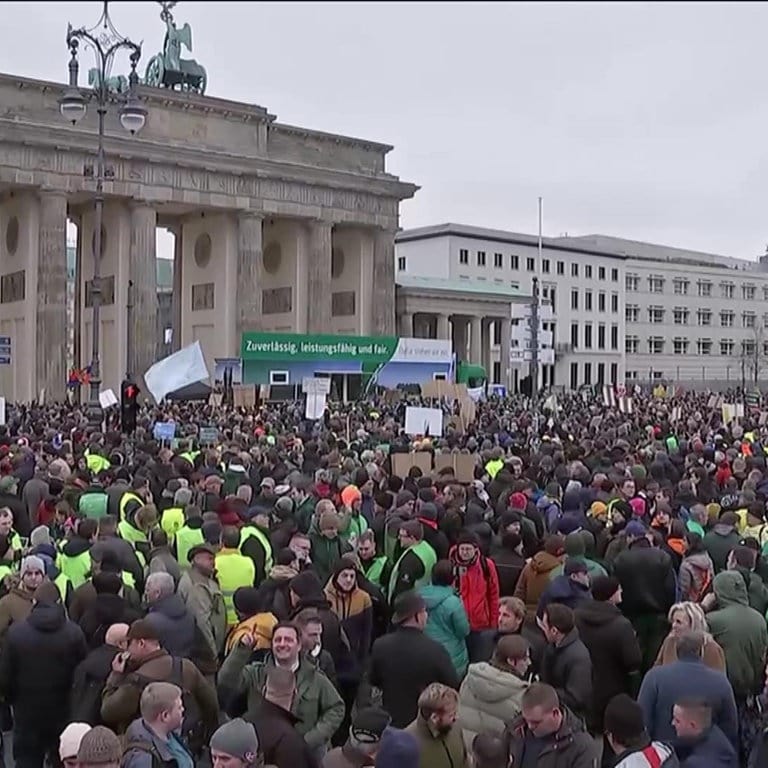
(2, 411)
(107, 398)
(187, 366)
(314, 406)
(424, 421)
(312, 385)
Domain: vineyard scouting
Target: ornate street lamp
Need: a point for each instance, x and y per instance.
(105, 41)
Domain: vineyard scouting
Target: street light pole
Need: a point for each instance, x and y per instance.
(105, 41)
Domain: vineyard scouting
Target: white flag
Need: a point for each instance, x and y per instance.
(187, 366)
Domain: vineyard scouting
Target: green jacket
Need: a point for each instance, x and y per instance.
(447, 623)
(741, 632)
(304, 513)
(438, 751)
(593, 568)
(326, 553)
(316, 702)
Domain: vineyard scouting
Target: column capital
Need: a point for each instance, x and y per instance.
(51, 192)
(249, 214)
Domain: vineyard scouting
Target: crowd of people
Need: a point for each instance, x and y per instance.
(594, 595)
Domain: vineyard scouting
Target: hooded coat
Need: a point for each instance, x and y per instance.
(719, 542)
(741, 632)
(447, 623)
(534, 580)
(696, 574)
(175, 625)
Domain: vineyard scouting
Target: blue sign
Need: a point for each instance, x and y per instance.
(5, 350)
(5, 359)
(164, 430)
(5, 341)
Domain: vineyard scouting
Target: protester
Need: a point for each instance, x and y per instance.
(700, 742)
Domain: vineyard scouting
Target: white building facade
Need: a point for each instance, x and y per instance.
(622, 311)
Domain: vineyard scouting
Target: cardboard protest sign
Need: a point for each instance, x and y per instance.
(402, 463)
(463, 465)
(244, 396)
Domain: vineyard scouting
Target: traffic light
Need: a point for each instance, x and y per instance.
(129, 406)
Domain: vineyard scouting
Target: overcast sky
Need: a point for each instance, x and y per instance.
(646, 121)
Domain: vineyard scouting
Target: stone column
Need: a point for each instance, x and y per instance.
(406, 325)
(319, 284)
(51, 298)
(476, 353)
(250, 263)
(177, 299)
(486, 345)
(443, 328)
(384, 282)
(506, 341)
(142, 297)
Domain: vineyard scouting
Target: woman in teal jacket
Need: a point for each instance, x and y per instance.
(447, 622)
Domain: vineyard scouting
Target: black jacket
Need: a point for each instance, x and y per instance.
(175, 625)
(278, 739)
(38, 663)
(101, 614)
(333, 638)
(402, 664)
(509, 566)
(90, 676)
(615, 655)
(647, 580)
(568, 668)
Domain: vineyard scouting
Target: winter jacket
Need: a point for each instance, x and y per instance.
(85, 596)
(478, 586)
(711, 750)
(354, 611)
(316, 703)
(567, 667)
(442, 751)
(259, 626)
(175, 625)
(713, 656)
(37, 666)
(615, 654)
(534, 580)
(143, 748)
(695, 578)
(334, 640)
(647, 580)
(719, 542)
(447, 623)
(489, 698)
(565, 591)
(741, 632)
(204, 600)
(403, 663)
(757, 592)
(279, 741)
(509, 566)
(663, 686)
(326, 552)
(90, 676)
(101, 614)
(14, 607)
(274, 590)
(593, 568)
(656, 753)
(568, 747)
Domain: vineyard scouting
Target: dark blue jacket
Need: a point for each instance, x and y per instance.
(711, 750)
(663, 686)
(565, 591)
(175, 625)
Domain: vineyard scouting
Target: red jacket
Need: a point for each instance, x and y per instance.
(478, 586)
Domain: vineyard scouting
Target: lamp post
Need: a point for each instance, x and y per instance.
(105, 42)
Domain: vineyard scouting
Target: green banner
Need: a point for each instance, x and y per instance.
(297, 347)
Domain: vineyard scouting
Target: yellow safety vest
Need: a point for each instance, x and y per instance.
(186, 538)
(251, 530)
(233, 571)
(62, 584)
(75, 569)
(171, 521)
(96, 463)
(129, 533)
(190, 456)
(125, 498)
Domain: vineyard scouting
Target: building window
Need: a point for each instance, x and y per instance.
(704, 346)
(748, 348)
(680, 315)
(748, 320)
(463, 256)
(601, 302)
(704, 316)
(587, 335)
(552, 299)
(615, 275)
(656, 345)
(726, 290)
(614, 373)
(765, 293)
(575, 335)
(587, 373)
(588, 301)
(656, 315)
(601, 273)
(705, 288)
(497, 371)
(401, 263)
(574, 269)
(748, 292)
(574, 298)
(514, 261)
(588, 271)
(481, 258)
(530, 264)
(498, 260)
(601, 373)
(574, 375)
(497, 334)
(276, 378)
(601, 336)
(631, 345)
(726, 347)
(656, 284)
(615, 337)
(726, 318)
(614, 303)
(632, 313)
(632, 283)
(545, 266)
(560, 267)
(679, 346)
(680, 286)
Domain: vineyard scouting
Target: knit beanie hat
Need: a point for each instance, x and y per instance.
(237, 739)
(69, 741)
(604, 588)
(98, 747)
(329, 521)
(369, 724)
(32, 563)
(398, 749)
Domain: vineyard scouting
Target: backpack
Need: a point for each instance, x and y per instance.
(143, 746)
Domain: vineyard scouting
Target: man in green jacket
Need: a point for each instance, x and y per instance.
(316, 703)
(440, 742)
